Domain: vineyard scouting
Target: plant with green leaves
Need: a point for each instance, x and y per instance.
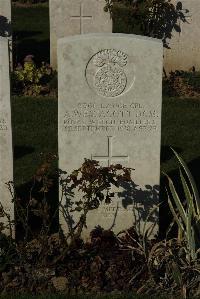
(93, 182)
(29, 79)
(154, 18)
(186, 213)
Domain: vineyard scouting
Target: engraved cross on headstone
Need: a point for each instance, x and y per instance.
(110, 158)
(81, 17)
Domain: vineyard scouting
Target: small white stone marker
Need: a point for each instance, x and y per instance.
(110, 97)
(69, 17)
(6, 151)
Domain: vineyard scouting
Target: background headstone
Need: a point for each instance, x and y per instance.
(75, 17)
(5, 23)
(185, 45)
(110, 111)
(5, 18)
(6, 156)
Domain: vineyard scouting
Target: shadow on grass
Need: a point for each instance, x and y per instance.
(21, 34)
(21, 151)
(167, 154)
(31, 33)
(40, 50)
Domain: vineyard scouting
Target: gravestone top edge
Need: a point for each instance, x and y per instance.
(108, 35)
(3, 39)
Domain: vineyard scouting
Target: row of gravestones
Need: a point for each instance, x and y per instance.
(87, 16)
(109, 110)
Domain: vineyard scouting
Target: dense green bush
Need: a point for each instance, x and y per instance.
(154, 18)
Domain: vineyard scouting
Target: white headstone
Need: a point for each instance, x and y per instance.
(5, 18)
(6, 156)
(5, 23)
(110, 111)
(69, 17)
(185, 45)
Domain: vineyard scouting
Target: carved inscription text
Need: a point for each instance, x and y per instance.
(110, 211)
(3, 125)
(110, 118)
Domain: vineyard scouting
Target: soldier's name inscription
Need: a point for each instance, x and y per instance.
(98, 117)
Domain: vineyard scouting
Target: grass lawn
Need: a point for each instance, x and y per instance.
(34, 132)
(181, 130)
(31, 32)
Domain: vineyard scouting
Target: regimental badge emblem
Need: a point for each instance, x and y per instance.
(110, 79)
(106, 73)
